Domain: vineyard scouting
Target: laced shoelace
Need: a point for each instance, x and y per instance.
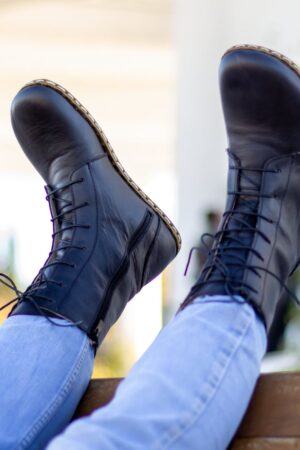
(41, 278)
(229, 251)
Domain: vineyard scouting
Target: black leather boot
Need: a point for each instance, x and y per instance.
(109, 238)
(257, 245)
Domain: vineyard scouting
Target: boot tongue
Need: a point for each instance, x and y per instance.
(238, 234)
(60, 202)
(63, 203)
(239, 230)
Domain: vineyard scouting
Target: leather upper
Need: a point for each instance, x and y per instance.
(257, 245)
(109, 241)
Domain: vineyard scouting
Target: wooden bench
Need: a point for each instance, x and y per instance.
(272, 420)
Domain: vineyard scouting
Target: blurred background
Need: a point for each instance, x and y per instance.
(148, 72)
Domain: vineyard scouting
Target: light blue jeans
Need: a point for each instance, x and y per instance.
(189, 390)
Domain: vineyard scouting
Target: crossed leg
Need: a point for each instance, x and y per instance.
(189, 390)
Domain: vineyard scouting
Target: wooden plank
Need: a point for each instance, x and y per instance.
(275, 407)
(98, 394)
(274, 411)
(266, 444)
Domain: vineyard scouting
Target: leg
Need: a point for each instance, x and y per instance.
(202, 366)
(44, 371)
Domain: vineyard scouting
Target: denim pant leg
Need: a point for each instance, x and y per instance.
(188, 391)
(44, 371)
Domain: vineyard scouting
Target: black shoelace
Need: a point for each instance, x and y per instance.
(226, 258)
(41, 279)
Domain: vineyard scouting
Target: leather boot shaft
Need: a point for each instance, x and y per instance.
(109, 238)
(257, 247)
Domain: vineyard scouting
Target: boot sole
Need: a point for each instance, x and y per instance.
(287, 61)
(110, 152)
